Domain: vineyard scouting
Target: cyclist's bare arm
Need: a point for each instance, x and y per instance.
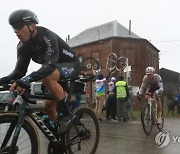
(160, 84)
(143, 86)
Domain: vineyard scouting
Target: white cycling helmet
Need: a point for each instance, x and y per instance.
(150, 70)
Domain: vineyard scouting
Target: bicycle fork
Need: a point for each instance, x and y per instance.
(150, 100)
(150, 107)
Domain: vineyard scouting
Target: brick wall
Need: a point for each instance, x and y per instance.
(140, 54)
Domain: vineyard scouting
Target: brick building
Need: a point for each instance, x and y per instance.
(112, 37)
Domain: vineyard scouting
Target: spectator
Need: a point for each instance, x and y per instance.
(110, 105)
(100, 94)
(171, 106)
(173, 103)
(130, 105)
(177, 100)
(122, 94)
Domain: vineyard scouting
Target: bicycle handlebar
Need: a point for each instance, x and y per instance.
(139, 96)
(5, 87)
(31, 98)
(26, 95)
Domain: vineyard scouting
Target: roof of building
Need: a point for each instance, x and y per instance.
(169, 75)
(168, 70)
(104, 31)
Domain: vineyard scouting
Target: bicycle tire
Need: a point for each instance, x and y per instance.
(111, 62)
(28, 141)
(90, 64)
(121, 64)
(89, 144)
(147, 121)
(160, 126)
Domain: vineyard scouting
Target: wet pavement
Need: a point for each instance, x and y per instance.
(128, 138)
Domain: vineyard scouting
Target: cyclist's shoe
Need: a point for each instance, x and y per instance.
(49, 123)
(65, 124)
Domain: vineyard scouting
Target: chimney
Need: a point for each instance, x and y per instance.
(68, 37)
(129, 27)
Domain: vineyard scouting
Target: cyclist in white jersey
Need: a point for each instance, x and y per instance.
(152, 83)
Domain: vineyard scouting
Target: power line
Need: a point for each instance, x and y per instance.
(177, 46)
(166, 41)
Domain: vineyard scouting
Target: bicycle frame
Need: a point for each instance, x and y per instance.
(152, 102)
(24, 112)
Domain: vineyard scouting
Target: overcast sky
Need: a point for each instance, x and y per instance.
(155, 20)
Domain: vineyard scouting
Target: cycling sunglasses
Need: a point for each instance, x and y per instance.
(18, 26)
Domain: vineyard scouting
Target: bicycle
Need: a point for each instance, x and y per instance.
(116, 64)
(111, 62)
(149, 115)
(18, 132)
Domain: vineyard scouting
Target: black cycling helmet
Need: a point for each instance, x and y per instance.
(22, 17)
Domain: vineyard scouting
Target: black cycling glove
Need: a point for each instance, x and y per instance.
(24, 82)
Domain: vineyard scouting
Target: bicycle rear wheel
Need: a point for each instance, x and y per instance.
(83, 136)
(27, 142)
(146, 119)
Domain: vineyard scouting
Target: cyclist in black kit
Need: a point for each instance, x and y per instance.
(47, 48)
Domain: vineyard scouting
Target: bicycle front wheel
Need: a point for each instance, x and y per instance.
(146, 119)
(27, 142)
(83, 136)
